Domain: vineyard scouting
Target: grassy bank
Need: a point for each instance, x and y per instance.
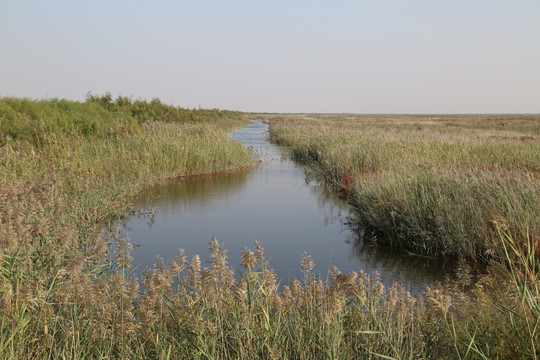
(433, 185)
(60, 298)
(66, 167)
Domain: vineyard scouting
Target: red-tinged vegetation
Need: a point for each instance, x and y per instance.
(531, 246)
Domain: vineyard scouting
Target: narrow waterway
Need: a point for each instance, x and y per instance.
(273, 204)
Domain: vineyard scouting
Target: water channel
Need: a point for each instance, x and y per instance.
(274, 204)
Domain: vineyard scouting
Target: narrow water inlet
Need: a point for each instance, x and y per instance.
(273, 204)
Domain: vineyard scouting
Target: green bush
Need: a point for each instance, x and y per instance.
(40, 121)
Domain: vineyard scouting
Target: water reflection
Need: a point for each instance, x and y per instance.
(274, 204)
(405, 268)
(198, 194)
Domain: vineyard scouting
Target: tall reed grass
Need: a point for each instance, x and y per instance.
(63, 297)
(68, 167)
(430, 185)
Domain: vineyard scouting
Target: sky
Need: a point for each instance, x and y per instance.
(340, 56)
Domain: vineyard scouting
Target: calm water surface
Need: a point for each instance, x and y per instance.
(273, 204)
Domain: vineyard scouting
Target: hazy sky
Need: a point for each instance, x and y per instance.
(363, 56)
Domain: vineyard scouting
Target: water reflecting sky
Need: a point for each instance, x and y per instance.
(273, 204)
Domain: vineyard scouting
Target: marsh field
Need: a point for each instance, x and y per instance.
(464, 188)
(437, 186)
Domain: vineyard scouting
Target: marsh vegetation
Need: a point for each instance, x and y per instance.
(67, 168)
(434, 185)
(273, 203)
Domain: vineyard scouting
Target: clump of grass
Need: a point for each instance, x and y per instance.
(498, 317)
(430, 185)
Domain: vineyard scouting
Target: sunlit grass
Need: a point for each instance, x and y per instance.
(63, 296)
(431, 185)
(59, 183)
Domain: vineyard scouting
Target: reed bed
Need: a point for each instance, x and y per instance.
(191, 311)
(68, 167)
(432, 185)
(63, 296)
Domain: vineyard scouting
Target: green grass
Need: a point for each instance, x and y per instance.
(62, 298)
(431, 185)
(42, 122)
(68, 167)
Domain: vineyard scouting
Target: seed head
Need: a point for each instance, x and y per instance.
(307, 262)
(259, 251)
(122, 256)
(248, 258)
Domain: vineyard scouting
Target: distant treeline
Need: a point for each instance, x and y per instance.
(36, 120)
